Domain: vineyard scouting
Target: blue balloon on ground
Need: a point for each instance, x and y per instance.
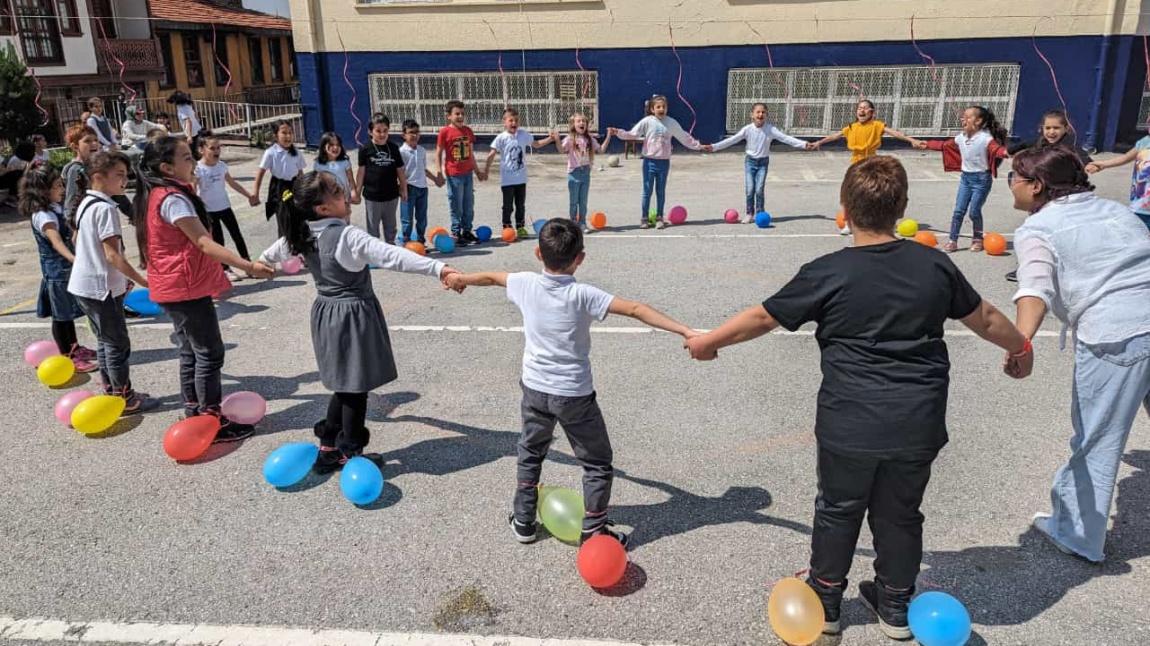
(444, 244)
(483, 233)
(290, 463)
(361, 481)
(762, 219)
(140, 300)
(938, 619)
(538, 225)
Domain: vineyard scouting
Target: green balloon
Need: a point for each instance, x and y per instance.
(562, 513)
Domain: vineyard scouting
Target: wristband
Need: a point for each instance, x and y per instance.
(1026, 349)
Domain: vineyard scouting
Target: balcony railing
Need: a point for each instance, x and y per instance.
(137, 55)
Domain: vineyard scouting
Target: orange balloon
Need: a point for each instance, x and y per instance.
(994, 244)
(841, 220)
(509, 235)
(602, 561)
(416, 247)
(598, 220)
(795, 612)
(434, 232)
(188, 439)
(927, 238)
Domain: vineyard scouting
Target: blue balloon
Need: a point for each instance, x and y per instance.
(290, 463)
(483, 233)
(762, 219)
(361, 481)
(938, 619)
(538, 225)
(140, 300)
(444, 243)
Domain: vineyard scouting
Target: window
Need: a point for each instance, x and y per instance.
(275, 59)
(105, 18)
(169, 77)
(6, 24)
(256, 51)
(192, 63)
(39, 30)
(221, 64)
(69, 19)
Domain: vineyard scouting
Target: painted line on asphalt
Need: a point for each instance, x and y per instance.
(765, 236)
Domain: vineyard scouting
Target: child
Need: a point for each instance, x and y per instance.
(556, 380)
(284, 162)
(759, 134)
(211, 175)
(455, 158)
(332, 158)
(184, 272)
(413, 210)
(976, 151)
(40, 146)
(348, 330)
(163, 121)
(186, 116)
(100, 273)
(41, 196)
(381, 174)
(880, 307)
(581, 150)
(84, 143)
(509, 145)
(98, 122)
(655, 131)
(1139, 178)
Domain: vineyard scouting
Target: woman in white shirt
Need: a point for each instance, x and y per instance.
(1087, 259)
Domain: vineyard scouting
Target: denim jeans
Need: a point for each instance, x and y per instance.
(973, 189)
(461, 201)
(413, 213)
(655, 173)
(113, 345)
(201, 353)
(755, 175)
(578, 188)
(1111, 382)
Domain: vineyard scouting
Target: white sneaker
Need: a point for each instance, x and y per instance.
(660, 225)
(747, 219)
(846, 231)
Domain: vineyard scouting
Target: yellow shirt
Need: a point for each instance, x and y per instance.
(863, 139)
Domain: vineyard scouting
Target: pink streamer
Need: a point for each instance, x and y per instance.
(775, 75)
(583, 72)
(231, 106)
(36, 101)
(1053, 76)
(926, 57)
(350, 86)
(110, 52)
(679, 83)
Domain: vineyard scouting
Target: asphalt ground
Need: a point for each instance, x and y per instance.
(715, 461)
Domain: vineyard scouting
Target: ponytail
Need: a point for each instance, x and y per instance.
(297, 208)
(990, 124)
(161, 150)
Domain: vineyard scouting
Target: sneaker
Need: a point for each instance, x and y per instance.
(950, 247)
(470, 237)
(84, 365)
(461, 240)
(644, 225)
(889, 606)
(605, 528)
(137, 402)
(1012, 276)
(328, 461)
(80, 352)
(832, 599)
(660, 224)
(846, 231)
(523, 533)
(522, 232)
(748, 219)
(587, 230)
(232, 431)
(976, 246)
(1040, 523)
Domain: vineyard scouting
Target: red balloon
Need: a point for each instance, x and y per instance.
(602, 561)
(188, 439)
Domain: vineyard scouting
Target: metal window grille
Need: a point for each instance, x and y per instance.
(914, 99)
(544, 99)
(1144, 110)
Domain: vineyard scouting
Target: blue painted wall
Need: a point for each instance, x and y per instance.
(629, 76)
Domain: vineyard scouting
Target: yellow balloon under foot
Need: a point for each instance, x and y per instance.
(97, 414)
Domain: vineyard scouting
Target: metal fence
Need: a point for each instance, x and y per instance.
(1144, 111)
(918, 100)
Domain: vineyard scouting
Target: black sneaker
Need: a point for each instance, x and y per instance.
(470, 237)
(1012, 276)
(461, 240)
(328, 461)
(605, 528)
(832, 598)
(232, 431)
(889, 606)
(523, 533)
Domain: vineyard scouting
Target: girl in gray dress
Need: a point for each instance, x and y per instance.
(348, 330)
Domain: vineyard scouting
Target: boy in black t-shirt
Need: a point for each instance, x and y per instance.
(382, 178)
(880, 307)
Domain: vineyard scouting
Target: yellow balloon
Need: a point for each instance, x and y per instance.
(55, 371)
(96, 414)
(795, 612)
(907, 228)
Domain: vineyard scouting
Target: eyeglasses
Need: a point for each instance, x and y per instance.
(1012, 178)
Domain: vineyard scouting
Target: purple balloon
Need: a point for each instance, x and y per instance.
(244, 407)
(38, 351)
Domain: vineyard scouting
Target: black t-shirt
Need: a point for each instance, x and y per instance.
(380, 164)
(880, 311)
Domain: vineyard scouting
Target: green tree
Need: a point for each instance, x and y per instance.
(19, 116)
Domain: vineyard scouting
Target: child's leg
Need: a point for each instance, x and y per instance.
(648, 187)
(844, 491)
(353, 433)
(895, 520)
(405, 215)
(328, 430)
(980, 191)
(508, 203)
(750, 170)
(114, 346)
(534, 440)
(587, 432)
(201, 353)
(275, 195)
(419, 206)
(217, 231)
(761, 184)
(388, 218)
(663, 169)
(520, 205)
(64, 334)
(455, 203)
(373, 215)
(584, 194)
(961, 202)
(573, 195)
(228, 219)
(468, 202)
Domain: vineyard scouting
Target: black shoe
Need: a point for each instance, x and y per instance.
(605, 528)
(889, 606)
(1012, 276)
(523, 533)
(232, 431)
(328, 461)
(832, 598)
(470, 237)
(461, 240)
(130, 313)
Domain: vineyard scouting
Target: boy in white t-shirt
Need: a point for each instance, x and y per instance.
(556, 381)
(211, 175)
(413, 210)
(510, 145)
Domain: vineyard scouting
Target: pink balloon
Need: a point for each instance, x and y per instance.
(731, 216)
(69, 401)
(678, 215)
(291, 265)
(38, 351)
(244, 407)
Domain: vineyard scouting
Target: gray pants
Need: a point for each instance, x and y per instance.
(113, 345)
(583, 423)
(201, 353)
(384, 212)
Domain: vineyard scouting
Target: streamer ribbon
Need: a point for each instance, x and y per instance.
(499, 63)
(925, 57)
(775, 76)
(679, 82)
(215, 54)
(1050, 66)
(583, 73)
(350, 86)
(108, 51)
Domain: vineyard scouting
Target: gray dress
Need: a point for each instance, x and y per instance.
(348, 331)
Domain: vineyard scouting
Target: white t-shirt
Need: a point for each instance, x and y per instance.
(176, 207)
(213, 188)
(512, 160)
(414, 165)
(282, 163)
(339, 169)
(98, 219)
(43, 218)
(973, 150)
(186, 113)
(759, 140)
(557, 316)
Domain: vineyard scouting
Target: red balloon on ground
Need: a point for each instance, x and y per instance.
(188, 439)
(602, 561)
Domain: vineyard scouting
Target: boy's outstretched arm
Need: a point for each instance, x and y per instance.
(479, 279)
(990, 324)
(751, 323)
(649, 315)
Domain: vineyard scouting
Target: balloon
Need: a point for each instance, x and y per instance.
(55, 371)
(290, 463)
(731, 216)
(926, 238)
(613, 161)
(538, 226)
(437, 231)
(189, 438)
(938, 619)
(140, 301)
(678, 214)
(509, 235)
(602, 561)
(598, 220)
(244, 407)
(907, 228)
(38, 351)
(762, 219)
(361, 482)
(416, 247)
(291, 265)
(97, 414)
(994, 244)
(483, 233)
(66, 404)
(795, 612)
(562, 514)
(444, 243)
(841, 219)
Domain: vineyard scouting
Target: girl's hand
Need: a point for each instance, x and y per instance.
(921, 145)
(260, 270)
(253, 200)
(707, 148)
(1093, 167)
(452, 279)
(439, 181)
(613, 132)
(700, 349)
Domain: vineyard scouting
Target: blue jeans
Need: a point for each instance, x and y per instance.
(461, 201)
(655, 173)
(1111, 382)
(415, 208)
(578, 188)
(973, 189)
(755, 174)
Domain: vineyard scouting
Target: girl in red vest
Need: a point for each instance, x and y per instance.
(184, 273)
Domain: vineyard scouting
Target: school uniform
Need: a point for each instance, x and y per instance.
(214, 193)
(54, 301)
(284, 167)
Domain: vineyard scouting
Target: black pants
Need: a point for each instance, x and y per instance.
(889, 492)
(64, 334)
(113, 345)
(201, 353)
(227, 218)
(515, 197)
(276, 188)
(344, 427)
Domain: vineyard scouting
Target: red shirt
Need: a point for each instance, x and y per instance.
(458, 145)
